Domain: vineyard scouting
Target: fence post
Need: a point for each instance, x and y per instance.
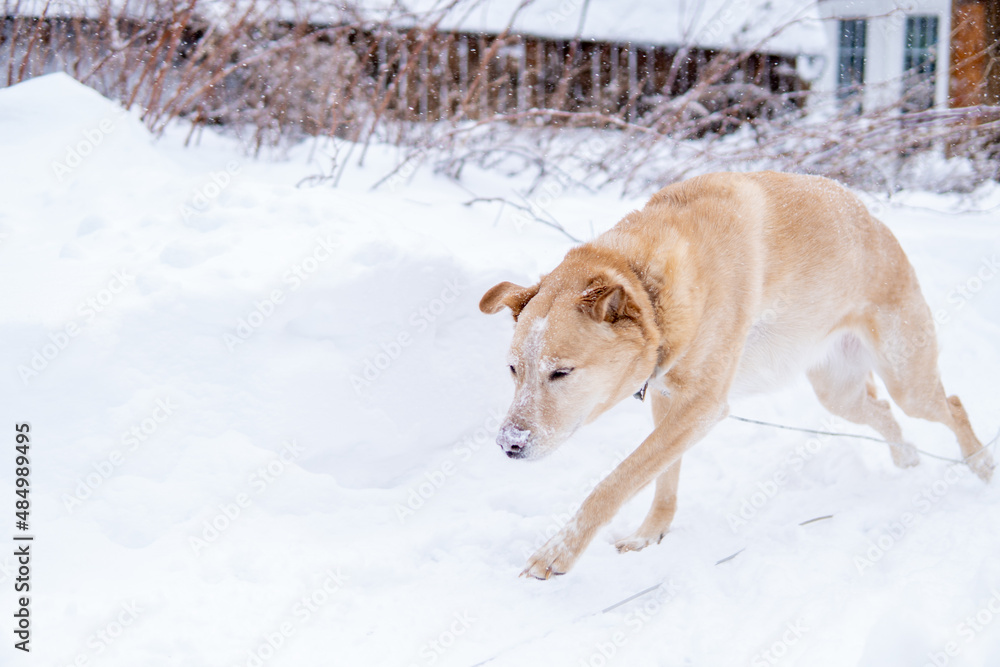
(522, 76)
(595, 77)
(425, 81)
(540, 73)
(484, 87)
(633, 81)
(444, 104)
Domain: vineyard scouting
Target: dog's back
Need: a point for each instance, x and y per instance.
(801, 253)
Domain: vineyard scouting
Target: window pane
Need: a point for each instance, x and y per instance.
(919, 62)
(851, 59)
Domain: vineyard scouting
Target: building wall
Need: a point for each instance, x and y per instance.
(886, 34)
(993, 23)
(969, 58)
(991, 60)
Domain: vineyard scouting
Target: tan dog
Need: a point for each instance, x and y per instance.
(723, 284)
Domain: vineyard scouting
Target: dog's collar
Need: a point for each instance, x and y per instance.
(657, 372)
(641, 394)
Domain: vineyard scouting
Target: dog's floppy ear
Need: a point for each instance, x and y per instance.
(507, 294)
(607, 302)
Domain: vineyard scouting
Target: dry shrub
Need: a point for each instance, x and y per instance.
(591, 115)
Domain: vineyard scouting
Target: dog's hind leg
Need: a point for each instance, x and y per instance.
(657, 521)
(907, 363)
(844, 385)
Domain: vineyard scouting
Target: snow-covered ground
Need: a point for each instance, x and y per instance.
(263, 422)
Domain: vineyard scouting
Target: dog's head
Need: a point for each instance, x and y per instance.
(583, 341)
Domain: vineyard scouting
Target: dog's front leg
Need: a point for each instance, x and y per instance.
(664, 446)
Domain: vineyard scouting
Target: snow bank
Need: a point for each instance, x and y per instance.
(263, 422)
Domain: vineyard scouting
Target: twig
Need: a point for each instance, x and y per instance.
(527, 209)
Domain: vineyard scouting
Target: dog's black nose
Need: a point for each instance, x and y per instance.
(513, 440)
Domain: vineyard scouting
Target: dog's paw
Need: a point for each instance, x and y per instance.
(553, 559)
(638, 542)
(982, 464)
(904, 455)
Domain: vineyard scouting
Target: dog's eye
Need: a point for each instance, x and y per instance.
(561, 373)
(513, 371)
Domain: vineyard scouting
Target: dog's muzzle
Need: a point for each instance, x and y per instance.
(513, 441)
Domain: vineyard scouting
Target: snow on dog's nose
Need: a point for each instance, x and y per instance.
(513, 440)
